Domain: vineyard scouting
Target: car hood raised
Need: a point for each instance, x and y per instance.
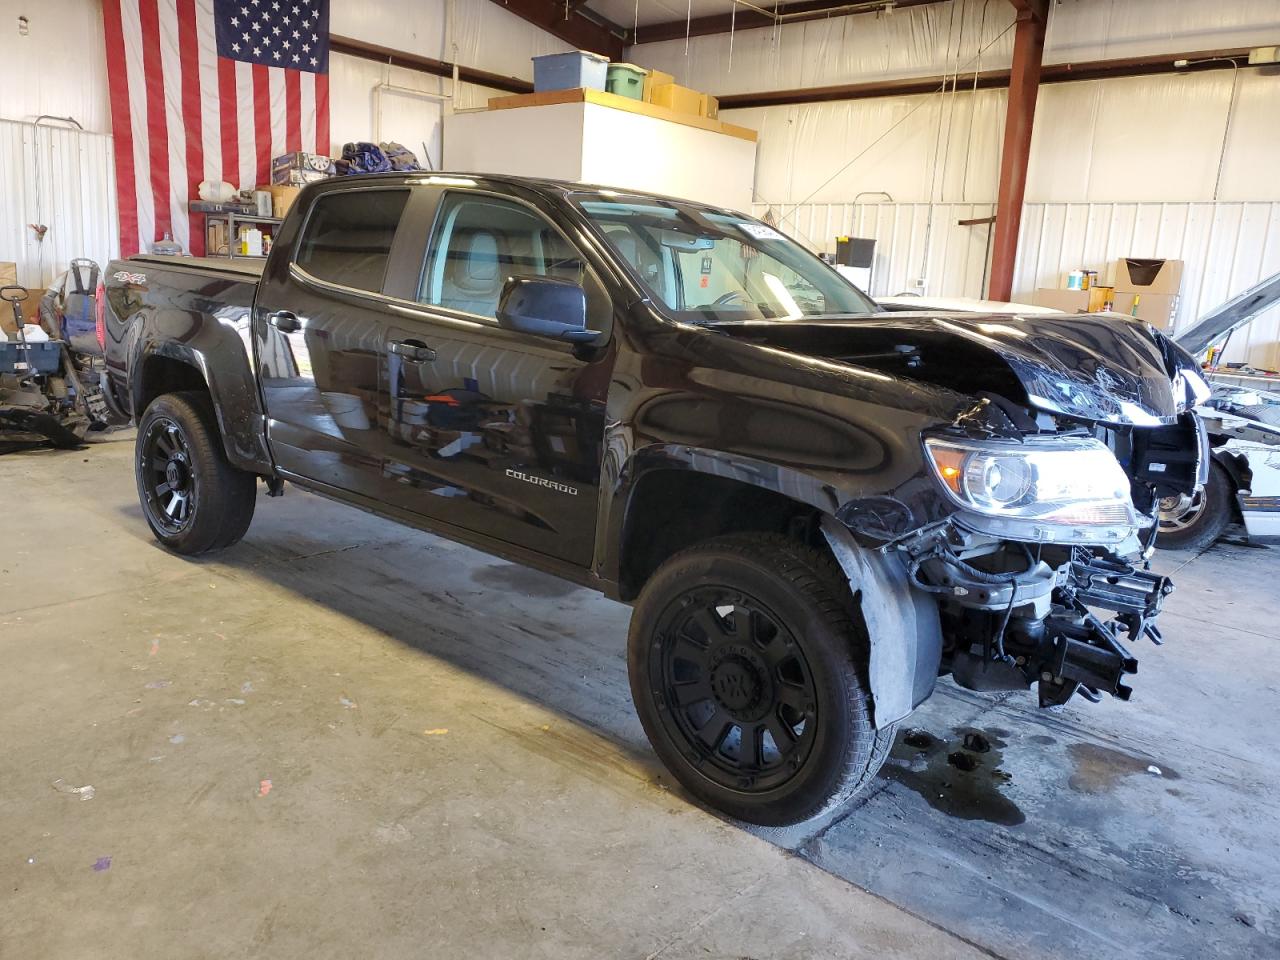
(1221, 321)
(1107, 369)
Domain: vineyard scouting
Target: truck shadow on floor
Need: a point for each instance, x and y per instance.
(1015, 801)
(548, 641)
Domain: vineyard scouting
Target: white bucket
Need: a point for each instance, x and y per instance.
(347, 410)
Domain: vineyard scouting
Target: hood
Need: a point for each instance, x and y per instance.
(1101, 368)
(916, 304)
(1232, 315)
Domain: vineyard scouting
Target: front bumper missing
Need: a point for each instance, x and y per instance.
(1041, 624)
(1083, 654)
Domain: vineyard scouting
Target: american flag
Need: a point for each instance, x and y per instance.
(208, 90)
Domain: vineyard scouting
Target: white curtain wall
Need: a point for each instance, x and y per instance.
(936, 38)
(61, 178)
(1199, 136)
(372, 101)
(1226, 248)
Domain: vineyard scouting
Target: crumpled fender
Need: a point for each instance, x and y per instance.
(902, 624)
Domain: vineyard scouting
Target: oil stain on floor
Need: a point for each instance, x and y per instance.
(1097, 769)
(959, 776)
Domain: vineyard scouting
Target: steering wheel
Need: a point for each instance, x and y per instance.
(726, 299)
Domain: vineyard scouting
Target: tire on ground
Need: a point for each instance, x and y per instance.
(804, 591)
(224, 496)
(1212, 519)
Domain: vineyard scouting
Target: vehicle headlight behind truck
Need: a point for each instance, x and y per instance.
(1034, 489)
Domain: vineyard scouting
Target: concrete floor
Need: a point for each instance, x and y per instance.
(346, 738)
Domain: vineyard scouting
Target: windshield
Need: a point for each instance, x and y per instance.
(706, 266)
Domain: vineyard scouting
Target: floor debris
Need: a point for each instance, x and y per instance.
(85, 793)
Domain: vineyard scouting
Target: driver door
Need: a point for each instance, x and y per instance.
(493, 430)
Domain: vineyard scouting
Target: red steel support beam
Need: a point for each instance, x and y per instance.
(1024, 84)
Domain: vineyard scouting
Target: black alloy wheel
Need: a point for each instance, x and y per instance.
(193, 499)
(168, 477)
(736, 687)
(748, 662)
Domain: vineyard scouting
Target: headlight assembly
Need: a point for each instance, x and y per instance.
(1033, 489)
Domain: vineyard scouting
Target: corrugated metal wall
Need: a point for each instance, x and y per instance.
(62, 178)
(1227, 247)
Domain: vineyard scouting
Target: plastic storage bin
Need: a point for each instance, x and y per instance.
(570, 71)
(21, 358)
(626, 80)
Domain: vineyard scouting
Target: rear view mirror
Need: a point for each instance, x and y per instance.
(685, 242)
(545, 307)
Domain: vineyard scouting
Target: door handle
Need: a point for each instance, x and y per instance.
(285, 321)
(416, 352)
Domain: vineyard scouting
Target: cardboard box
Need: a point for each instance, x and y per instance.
(296, 178)
(1068, 301)
(678, 98)
(1157, 309)
(282, 198)
(1147, 276)
(1098, 297)
(216, 240)
(302, 161)
(655, 79)
(30, 310)
(30, 306)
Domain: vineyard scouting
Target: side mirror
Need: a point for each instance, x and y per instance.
(545, 307)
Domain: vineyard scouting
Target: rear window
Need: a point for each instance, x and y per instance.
(348, 237)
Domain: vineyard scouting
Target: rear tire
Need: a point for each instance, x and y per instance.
(1197, 523)
(748, 668)
(194, 500)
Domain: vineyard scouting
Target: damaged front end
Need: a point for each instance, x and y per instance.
(1040, 572)
(1024, 534)
(1013, 615)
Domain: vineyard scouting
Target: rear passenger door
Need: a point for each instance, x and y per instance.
(320, 323)
(496, 431)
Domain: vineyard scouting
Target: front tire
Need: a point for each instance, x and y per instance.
(194, 500)
(1197, 522)
(748, 668)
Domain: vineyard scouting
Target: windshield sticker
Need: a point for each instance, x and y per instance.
(759, 231)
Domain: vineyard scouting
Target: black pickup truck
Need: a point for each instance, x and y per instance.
(816, 508)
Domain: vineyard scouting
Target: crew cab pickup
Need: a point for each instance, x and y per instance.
(816, 507)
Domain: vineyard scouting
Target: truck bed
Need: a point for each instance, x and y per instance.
(242, 267)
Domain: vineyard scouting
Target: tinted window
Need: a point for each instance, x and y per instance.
(348, 237)
(481, 242)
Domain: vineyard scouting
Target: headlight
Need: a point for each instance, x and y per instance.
(1036, 485)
